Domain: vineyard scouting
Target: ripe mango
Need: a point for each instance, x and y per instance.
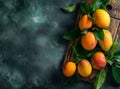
(84, 68)
(98, 61)
(85, 22)
(69, 69)
(88, 41)
(107, 42)
(101, 18)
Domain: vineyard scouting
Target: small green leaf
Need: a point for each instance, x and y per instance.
(79, 52)
(114, 47)
(117, 53)
(99, 34)
(116, 74)
(116, 57)
(72, 35)
(92, 52)
(84, 32)
(84, 7)
(77, 60)
(104, 2)
(100, 79)
(90, 16)
(118, 66)
(110, 62)
(96, 5)
(70, 8)
(117, 61)
(76, 50)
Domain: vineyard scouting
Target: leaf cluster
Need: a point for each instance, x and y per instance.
(98, 4)
(114, 61)
(74, 34)
(81, 53)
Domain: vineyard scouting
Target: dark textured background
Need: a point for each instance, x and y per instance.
(32, 47)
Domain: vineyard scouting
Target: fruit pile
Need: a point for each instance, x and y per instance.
(95, 50)
(89, 42)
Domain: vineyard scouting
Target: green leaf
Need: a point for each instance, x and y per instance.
(70, 8)
(118, 66)
(77, 60)
(99, 34)
(104, 2)
(96, 5)
(116, 74)
(76, 50)
(92, 52)
(90, 16)
(117, 53)
(100, 79)
(114, 47)
(72, 35)
(110, 62)
(116, 57)
(84, 7)
(84, 32)
(117, 61)
(80, 52)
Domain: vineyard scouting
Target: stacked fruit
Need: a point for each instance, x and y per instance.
(95, 48)
(89, 42)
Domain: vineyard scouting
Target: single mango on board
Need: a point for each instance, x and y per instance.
(85, 23)
(101, 18)
(69, 69)
(88, 41)
(84, 68)
(98, 61)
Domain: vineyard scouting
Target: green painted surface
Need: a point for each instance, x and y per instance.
(31, 45)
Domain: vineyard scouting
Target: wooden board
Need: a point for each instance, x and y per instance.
(113, 8)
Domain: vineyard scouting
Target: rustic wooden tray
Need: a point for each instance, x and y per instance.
(113, 8)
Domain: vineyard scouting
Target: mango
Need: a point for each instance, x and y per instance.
(107, 42)
(69, 69)
(88, 41)
(84, 68)
(85, 22)
(101, 18)
(98, 61)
